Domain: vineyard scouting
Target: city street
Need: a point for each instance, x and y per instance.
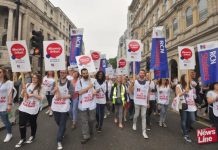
(112, 138)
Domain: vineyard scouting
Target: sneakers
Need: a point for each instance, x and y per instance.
(120, 125)
(73, 126)
(105, 116)
(20, 143)
(164, 125)
(84, 141)
(47, 112)
(115, 120)
(50, 113)
(187, 139)
(145, 134)
(134, 126)
(59, 146)
(99, 130)
(8, 138)
(160, 124)
(30, 140)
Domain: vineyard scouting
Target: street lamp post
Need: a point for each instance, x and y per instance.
(17, 19)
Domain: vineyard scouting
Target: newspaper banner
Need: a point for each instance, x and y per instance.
(208, 54)
(19, 56)
(96, 57)
(122, 68)
(207, 135)
(85, 61)
(134, 50)
(186, 57)
(76, 45)
(54, 55)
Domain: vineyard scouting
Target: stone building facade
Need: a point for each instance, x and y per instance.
(39, 15)
(186, 23)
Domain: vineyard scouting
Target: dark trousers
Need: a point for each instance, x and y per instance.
(49, 99)
(149, 111)
(61, 120)
(24, 118)
(213, 119)
(100, 115)
(131, 108)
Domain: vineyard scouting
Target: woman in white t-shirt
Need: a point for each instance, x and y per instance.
(5, 102)
(48, 85)
(187, 114)
(212, 99)
(28, 110)
(163, 95)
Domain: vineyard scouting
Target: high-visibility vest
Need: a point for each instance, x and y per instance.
(122, 92)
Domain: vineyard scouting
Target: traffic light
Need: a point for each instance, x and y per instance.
(37, 43)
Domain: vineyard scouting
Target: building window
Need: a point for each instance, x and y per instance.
(51, 12)
(175, 27)
(158, 13)
(154, 20)
(4, 39)
(189, 17)
(174, 1)
(49, 36)
(31, 27)
(167, 32)
(6, 23)
(166, 4)
(202, 8)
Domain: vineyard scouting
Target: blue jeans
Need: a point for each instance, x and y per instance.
(74, 109)
(100, 115)
(60, 119)
(5, 120)
(187, 118)
(163, 113)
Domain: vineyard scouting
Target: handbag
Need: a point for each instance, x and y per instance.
(184, 106)
(118, 101)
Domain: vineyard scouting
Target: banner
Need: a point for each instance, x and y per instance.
(122, 68)
(186, 57)
(75, 45)
(19, 56)
(103, 63)
(160, 74)
(207, 135)
(96, 57)
(158, 50)
(208, 54)
(85, 61)
(137, 67)
(54, 55)
(134, 50)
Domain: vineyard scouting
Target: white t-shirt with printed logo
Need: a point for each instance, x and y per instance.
(100, 97)
(163, 95)
(214, 95)
(5, 89)
(48, 85)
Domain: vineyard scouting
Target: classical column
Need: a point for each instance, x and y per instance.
(10, 24)
(20, 26)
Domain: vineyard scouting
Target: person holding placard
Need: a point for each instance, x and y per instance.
(32, 95)
(61, 105)
(100, 98)
(70, 73)
(109, 84)
(140, 88)
(86, 105)
(118, 96)
(48, 86)
(212, 99)
(163, 96)
(6, 87)
(187, 106)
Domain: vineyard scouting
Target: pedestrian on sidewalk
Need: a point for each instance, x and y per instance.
(48, 85)
(187, 106)
(212, 99)
(61, 105)
(118, 96)
(100, 98)
(32, 95)
(74, 99)
(140, 88)
(163, 94)
(6, 87)
(86, 105)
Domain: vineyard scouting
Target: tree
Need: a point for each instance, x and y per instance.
(113, 62)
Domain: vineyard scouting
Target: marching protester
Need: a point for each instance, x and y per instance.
(163, 96)
(140, 88)
(61, 105)
(86, 105)
(70, 73)
(212, 98)
(100, 98)
(6, 87)
(131, 103)
(109, 84)
(32, 94)
(127, 104)
(74, 100)
(118, 96)
(187, 106)
(48, 86)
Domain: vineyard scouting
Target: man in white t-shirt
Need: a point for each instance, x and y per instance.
(87, 104)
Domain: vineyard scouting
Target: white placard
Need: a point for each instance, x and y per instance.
(96, 57)
(54, 55)
(109, 71)
(19, 56)
(186, 57)
(122, 68)
(134, 50)
(85, 61)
